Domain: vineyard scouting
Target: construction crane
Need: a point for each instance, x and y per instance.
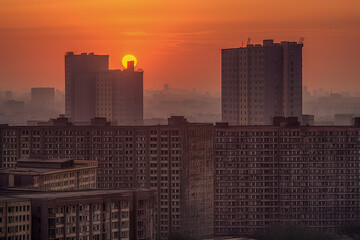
(301, 40)
(248, 41)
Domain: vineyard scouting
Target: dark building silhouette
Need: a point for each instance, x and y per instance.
(227, 180)
(266, 175)
(8, 95)
(175, 160)
(13, 107)
(42, 103)
(43, 97)
(76, 90)
(260, 82)
(96, 91)
(345, 119)
(307, 119)
(88, 214)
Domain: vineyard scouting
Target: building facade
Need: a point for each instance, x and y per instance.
(91, 214)
(75, 64)
(227, 180)
(127, 90)
(265, 175)
(95, 91)
(260, 82)
(15, 218)
(50, 174)
(175, 160)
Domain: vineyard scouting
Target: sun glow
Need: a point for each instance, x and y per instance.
(128, 58)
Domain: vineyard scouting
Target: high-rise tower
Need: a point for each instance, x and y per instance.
(92, 90)
(79, 94)
(260, 82)
(127, 90)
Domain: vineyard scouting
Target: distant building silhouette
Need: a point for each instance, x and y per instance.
(13, 107)
(96, 91)
(345, 119)
(8, 95)
(127, 99)
(260, 82)
(42, 96)
(307, 120)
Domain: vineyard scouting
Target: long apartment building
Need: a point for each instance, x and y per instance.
(175, 160)
(265, 175)
(256, 175)
(83, 215)
(260, 82)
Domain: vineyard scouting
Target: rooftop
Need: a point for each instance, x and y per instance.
(11, 198)
(96, 123)
(31, 166)
(73, 194)
(26, 171)
(266, 43)
(45, 160)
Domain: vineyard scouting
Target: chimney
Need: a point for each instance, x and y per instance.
(130, 66)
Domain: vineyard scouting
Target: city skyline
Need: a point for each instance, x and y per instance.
(179, 47)
(179, 120)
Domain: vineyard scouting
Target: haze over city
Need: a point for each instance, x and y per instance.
(179, 120)
(177, 42)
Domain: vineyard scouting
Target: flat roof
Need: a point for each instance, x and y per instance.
(12, 198)
(28, 171)
(51, 160)
(74, 194)
(272, 127)
(41, 170)
(88, 126)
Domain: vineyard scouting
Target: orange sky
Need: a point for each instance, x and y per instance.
(176, 41)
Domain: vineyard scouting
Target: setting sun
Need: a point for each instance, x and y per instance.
(128, 58)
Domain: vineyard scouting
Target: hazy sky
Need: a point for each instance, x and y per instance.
(176, 41)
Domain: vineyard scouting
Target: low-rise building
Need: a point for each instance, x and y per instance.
(50, 174)
(88, 215)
